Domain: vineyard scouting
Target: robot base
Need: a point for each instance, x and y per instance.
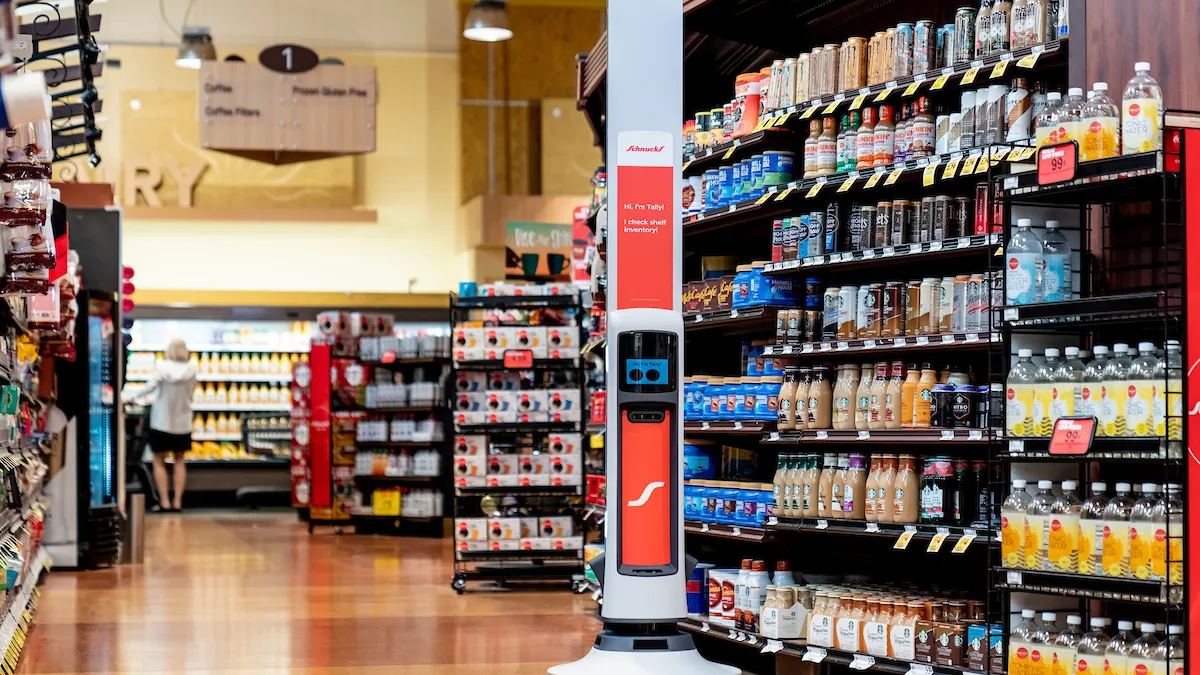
(670, 654)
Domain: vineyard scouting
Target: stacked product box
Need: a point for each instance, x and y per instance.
(300, 418)
(497, 398)
(555, 462)
(488, 343)
(533, 533)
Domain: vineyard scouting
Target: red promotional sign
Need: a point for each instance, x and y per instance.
(1191, 351)
(1072, 435)
(1057, 163)
(518, 358)
(644, 205)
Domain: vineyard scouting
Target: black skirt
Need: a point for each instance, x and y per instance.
(161, 441)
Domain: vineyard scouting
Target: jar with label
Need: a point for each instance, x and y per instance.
(865, 140)
(885, 137)
(923, 130)
(827, 148)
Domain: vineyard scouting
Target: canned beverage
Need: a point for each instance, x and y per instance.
(862, 317)
(888, 55)
(794, 334)
(925, 225)
(946, 305)
(903, 61)
(982, 221)
(958, 319)
(941, 135)
(717, 126)
(703, 135)
(833, 228)
(812, 324)
(892, 322)
(854, 71)
(976, 296)
(712, 189)
(829, 319)
(781, 322)
(945, 46)
(777, 240)
(727, 123)
(901, 217)
(967, 106)
(954, 136)
(994, 130)
(882, 235)
(964, 34)
(787, 84)
(776, 84)
(942, 206)
(816, 233)
(800, 223)
(960, 217)
(981, 119)
(912, 307)
(924, 47)
(874, 311)
(802, 85)
(832, 57)
(1018, 112)
(847, 312)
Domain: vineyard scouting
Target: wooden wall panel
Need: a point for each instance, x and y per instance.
(1164, 32)
(568, 156)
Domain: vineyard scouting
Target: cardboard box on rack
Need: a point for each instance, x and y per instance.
(562, 337)
(502, 481)
(566, 544)
(504, 545)
(564, 405)
(535, 543)
(500, 418)
(529, 337)
(472, 354)
(534, 465)
(469, 418)
(469, 381)
(497, 339)
(470, 481)
(531, 400)
(556, 526)
(563, 466)
(563, 353)
(468, 338)
(470, 445)
(500, 402)
(471, 546)
(469, 466)
(529, 528)
(503, 380)
(564, 444)
(533, 417)
(529, 480)
(349, 373)
(502, 465)
(504, 528)
(470, 402)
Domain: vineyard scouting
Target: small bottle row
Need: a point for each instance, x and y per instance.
(403, 428)
(397, 463)
(1033, 643)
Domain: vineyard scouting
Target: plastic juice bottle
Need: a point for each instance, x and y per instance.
(1019, 406)
(210, 425)
(1146, 380)
(1043, 393)
(1062, 532)
(843, 128)
(1143, 653)
(827, 148)
(1070, 116)
(782, 491)
(1045, 123)
(1065, 648)
(1023, 265)
(1170, 420)
(1168, 549)
(1088, 402)
(1056, 264)
(825, 486)
(1141, 112)
(884, 137)
(1141, 531)
(862, 408)
(1012, 525)
(1101, 125)
(923, 401)
(908, 394)
(1091, 530)
(1089, 653)
(197, 425)
(1067, 380)
(1170, 651)
(1114, 561)
(1114, 393)
(1020, 645)
(892, 404)
(852, 141)
(210, 393)
(1116, 654)
(1036, 520)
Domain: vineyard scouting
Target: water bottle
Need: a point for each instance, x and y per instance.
(1056, 264)
(1023, 266)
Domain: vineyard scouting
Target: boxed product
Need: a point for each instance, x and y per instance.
(948, 642)
(533, 417)
(334, 324)
(563, 353)
(500, 417)
(470, 445)
(500, 401)
(531, 400)
(468, 338)
(534, 465)
(977, 647)
(497, 339)
(468, 354)
(469, 381)
(349, 373)
(566, 543)
(535, 543)
(564, 444)
(503, 380)
(504, 528)
(529, 480)
(530, 337)
(564, 405)
(470, 402)
(555, 526)
(469, 418)
(470, 529)
(470, 465)
(502, 465)
(529, 528)
(923, 638)
(784, 623)
(504, 545)
(716, 579)
(503, 481)
(472, 546)
(562, 337)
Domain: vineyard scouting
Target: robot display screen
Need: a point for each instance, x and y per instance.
(648, 362)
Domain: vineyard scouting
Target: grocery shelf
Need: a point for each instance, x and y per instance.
(738, 148)
(217, 438)
(734, 214)
(218, 463)
(240, 377)
(856, 661)
(1119, 179)
(240, 407)
(898, 436)
(428, 407)
(393, 444)
(702, 627)
(1104, 448)
(1089, 312)
(747, 428)
(292, 349)
(752, 534)
(515, 302)
(397, 480)
(518, 428)
(1088, 586)
(408, 361)
(483, 556)
(568, 491)
(886, 256)
(920, 531)
(497, 364)
(956, 341)
(747, 320)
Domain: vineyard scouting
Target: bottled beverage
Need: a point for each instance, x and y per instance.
(1114, 394)
(1065, 649)
(1114, 561)
(1171, 422)
(1023, 265)
(741, 593)
(1012, 525)
(825, 485)
(1143, 653)
(884, 137)
(1100, 125)
(1170, 651)
(1067, 380)
(810, 484)
(983, 29)
(862, 406)
(1168, 548)
(1062, 532)
(893, 398)
(864, 144)
(1043, 393)
(1141, 531)
(1146, 380)
(1070, 116)
(781, 488)
(836, 506)
(878, 396)
(1091, 530)
(1045, 122)
(1089, 652)
(810, 148)
(1020, 644)
(1042, 641)
(1001, 21)
(1036, 520)
(1056, 264)
(909, 396)
(1141, 112)
(1088, 402)
(1018, 408)
(841, 144)
(827, 148)
(851, 162)
(1116, 655)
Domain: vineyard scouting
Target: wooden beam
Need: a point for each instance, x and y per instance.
(251, 214)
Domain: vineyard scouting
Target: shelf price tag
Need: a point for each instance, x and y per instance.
(858, 101)
(843, 346)
(822, 435)
(764, 122)
(782, 119)
(783, 195)
(1072, 435)
(998, 155)
(736, 531)
(906, 536)
(772, 647)
(864, 435)
(887, 91)
(920, 669)
(947, 435)
(1030, 59)
(849, 182)
(687, 164)
(935, 544)
(872, 527)
(773, 520)
(874, 179)
(814, 654)
(704, 527)
(869, 344)
(832, 106)
(806, 348)
(912, 88)
(951, 168)
(984, 165)
(729, 152)
(998, 70)
(862, 662)
(1013, 578)
(1057, 163)
(964, 541)
(894, 175)
(816, 188)
(970, 75)
(975, 435)
(704, 627)
(943, 79)
(822, 524)
(808, 112)
(765, 198)
(900, 342)
(968, 165)
(930, 174)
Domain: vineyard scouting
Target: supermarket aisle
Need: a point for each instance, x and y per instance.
(255, 594)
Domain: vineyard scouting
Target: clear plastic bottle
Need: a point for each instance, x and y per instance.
(1066, 385)
(1042, 641)
(1012, 525)
(1037, 518)
(1070, 116)
(1023, 257)
(810, 148)
(1062, 532)
(1141, 531)
(1091, 529)
(1043, 393)
(1020, 643)
(1114, 561)
(1172, 542)
(1065, 648)
(1089, 653)
(1116, 654)
(1088, 402)
(1143, 653)
(1141, 112)
(1045, 123)
(1171, 651)
(1056, 264)
(1114, 393)
(1018, 408)
(1146, 379)
(1172, 415)
(1101, 125)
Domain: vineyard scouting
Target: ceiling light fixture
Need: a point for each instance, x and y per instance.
(195, 47)
(487, 22)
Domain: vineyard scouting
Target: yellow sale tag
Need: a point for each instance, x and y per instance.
(1026, 153)
(873, 180)
(596, 441)
(930, 174)
(902, 542)
(970, 75)
(1028, 60)
(686, 165)
(783, 195)
(884, 94)
(848, 183)
(812, 191)
(962, 544)
(998, 154)
(763, 122)
(809, 112)
(763, 199)
(912, 88)
(940, 82)
(386, 502)
(729, 152)
(831, 107)
(984, 165)
(893, 176)
(858, 101)
(998, 70)
(968, 165)
(782, 119)
(935, 544)
(951, 168)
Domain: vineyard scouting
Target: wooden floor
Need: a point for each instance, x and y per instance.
(255, 594)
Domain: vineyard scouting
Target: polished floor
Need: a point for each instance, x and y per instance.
(246, 594)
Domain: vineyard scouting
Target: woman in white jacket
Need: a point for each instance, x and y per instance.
(171, 386)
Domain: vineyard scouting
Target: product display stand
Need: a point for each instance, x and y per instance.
(517, 447)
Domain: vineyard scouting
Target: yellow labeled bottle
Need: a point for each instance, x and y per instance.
(1099, 125)
(198, 425)
(1067, 383)
(1041, 644)
(273, 366)
(204, 366)
(1064, 650)
(1062, 531)
(1143, 653)
(1043, 394)
(1116, 656)
(1141, 113)
(1146, 380)
(222, 396)
(1141, 532)
(210, 425)
(223, 365)
(1114, 394)
(1170, 420)
(1012, 526)
(1037, 519)
(1020, 645)
(1091, 530)
(210, 394)
(1170, 557)
(1114, 560)
(222, 424)
(1019, 403)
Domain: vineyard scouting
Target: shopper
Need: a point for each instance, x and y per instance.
(171, 384)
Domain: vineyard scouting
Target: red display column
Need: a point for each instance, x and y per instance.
(320, 454)
(1191, 296)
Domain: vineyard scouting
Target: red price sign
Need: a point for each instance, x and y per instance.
(1072, 435)
(388, 357)
(518, 358)
(1057, 163)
